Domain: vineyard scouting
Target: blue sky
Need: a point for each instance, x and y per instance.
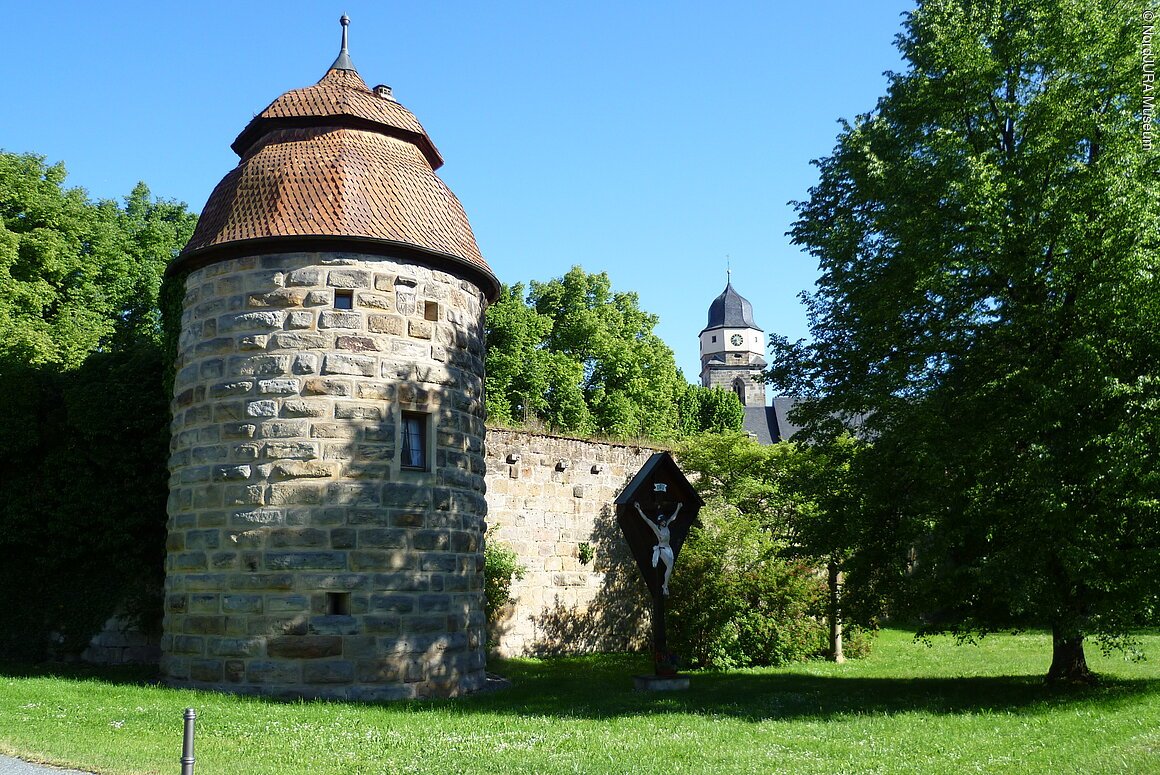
(648, 140)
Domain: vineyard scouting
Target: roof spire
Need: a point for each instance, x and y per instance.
(343, 61)
(728, 271)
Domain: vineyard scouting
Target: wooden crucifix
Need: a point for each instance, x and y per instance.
(655, 511)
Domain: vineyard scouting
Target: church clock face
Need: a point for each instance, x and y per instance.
(736, 340)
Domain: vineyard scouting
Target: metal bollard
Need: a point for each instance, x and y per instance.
(187, 743)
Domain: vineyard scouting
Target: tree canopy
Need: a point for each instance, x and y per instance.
(987, 239)
(84, 434)
(582, 358)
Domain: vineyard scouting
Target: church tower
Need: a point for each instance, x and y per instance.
(731, 348)
(326, 509)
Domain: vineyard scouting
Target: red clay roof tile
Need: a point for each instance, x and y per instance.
(336, 160)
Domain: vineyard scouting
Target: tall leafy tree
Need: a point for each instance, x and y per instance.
(526, 380)
(84, 435)
(582, 358)
(987, 239)
(709, 409)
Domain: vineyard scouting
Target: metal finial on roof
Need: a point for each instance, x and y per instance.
(343, 61)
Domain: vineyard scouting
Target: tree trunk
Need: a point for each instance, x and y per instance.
(835, 654)
(1068, 664)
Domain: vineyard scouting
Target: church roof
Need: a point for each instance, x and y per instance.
(730, 310)
(337, 166)
(770, 424)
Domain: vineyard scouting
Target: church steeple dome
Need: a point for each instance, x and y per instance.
(732, 346)
(730, 310)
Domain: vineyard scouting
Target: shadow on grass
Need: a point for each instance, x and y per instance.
(600, 687)
(597, 689)
(121, 675)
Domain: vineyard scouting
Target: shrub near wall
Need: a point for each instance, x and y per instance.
(736, 603)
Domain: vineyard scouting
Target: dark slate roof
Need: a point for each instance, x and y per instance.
(730, 310)
(761, 423)
(770, 424)
(782, 406)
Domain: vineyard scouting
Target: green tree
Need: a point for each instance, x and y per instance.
(84, 434)
(581, 358)
(803, 496)
(827, 501)
(987, 239)
(705, 409)
(526, 380)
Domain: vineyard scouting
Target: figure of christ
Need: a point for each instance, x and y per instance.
(663, 550)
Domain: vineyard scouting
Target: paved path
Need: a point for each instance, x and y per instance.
(10, 766)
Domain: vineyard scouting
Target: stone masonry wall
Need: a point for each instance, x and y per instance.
(548, 498)
(303, 558)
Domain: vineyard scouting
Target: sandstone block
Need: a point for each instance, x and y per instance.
(299, 340)
(321, 386)
(305, 363)
(282, 297)
(206, 670)
(273, 672)
(293, 450)
(263, 408)
(299, 320)
(318, 298)
(393, 325)
(283, 429)
(304, 646)
(358, 344)
(345, 410)
(341, 363)
(330, 672)
(251, 321)
(284, 493)
(376, 301)
(333, 318)
(259, 365)
(308, 537)
(302, 470)
(307, 276)
(349, 278)
(332, 430)
(420, 329)
(305, 561)
(301, 408)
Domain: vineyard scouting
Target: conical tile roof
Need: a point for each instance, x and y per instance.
(336, 166)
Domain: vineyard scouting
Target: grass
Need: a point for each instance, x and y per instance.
(907, 708)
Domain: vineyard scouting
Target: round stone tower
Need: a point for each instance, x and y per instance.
(327, 509)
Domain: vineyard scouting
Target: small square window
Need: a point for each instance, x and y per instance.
(414, 446)
(338, 603)
(714, 337)
(430, 310)
(344, 299)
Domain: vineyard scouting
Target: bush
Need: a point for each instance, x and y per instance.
(501, 566)
(736, 603)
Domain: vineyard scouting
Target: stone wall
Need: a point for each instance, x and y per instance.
(551, 499)
(122, 642)
(305, 557)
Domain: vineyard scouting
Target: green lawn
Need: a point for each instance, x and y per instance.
(907, 708)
